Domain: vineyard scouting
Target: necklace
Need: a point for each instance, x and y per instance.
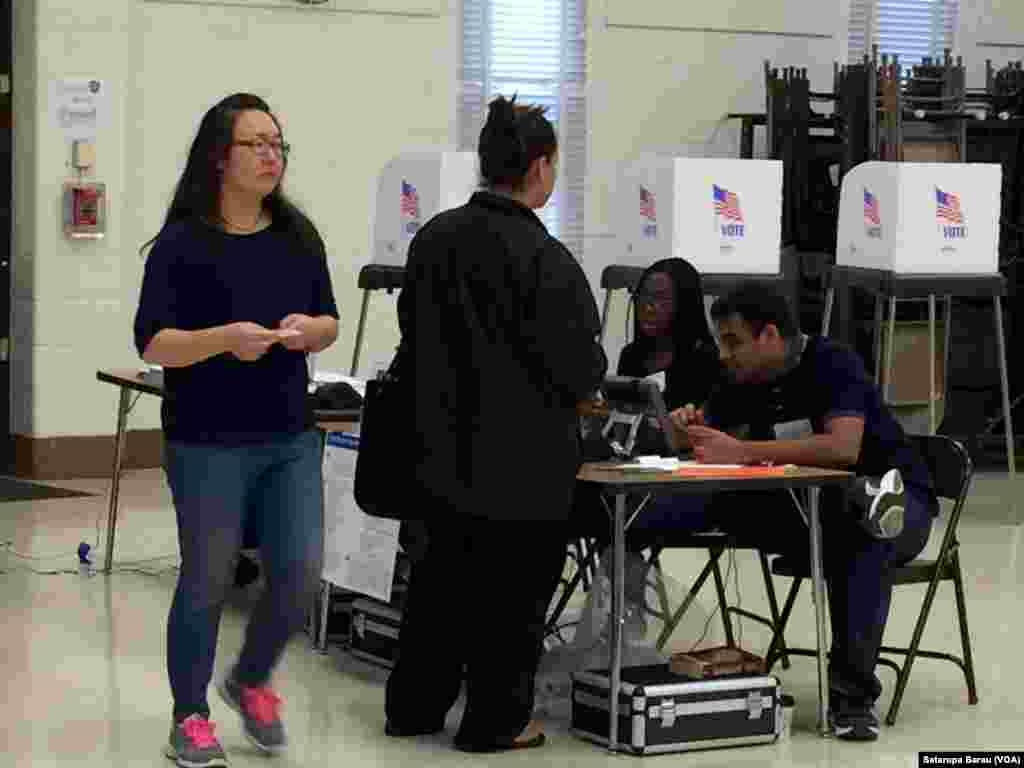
(242, 228)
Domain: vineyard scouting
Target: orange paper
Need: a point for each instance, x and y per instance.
(751, 471)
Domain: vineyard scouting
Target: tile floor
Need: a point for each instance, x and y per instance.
(83, 658)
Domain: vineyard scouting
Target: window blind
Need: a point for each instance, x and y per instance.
(536, 50)
(911, 29)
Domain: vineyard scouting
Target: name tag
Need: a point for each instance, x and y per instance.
(793, 430)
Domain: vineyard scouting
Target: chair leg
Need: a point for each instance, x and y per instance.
(584, 557)
(915, 643)
(723, 602)
(673, 622)
(773, 606)
(659, 585)
(582, 565)
(965, 635)
(780, 629)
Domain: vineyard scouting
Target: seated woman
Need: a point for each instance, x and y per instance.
(671, 334)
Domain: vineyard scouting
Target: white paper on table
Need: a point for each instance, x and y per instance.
(359, 550)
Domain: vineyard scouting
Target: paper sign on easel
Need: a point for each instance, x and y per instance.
(359, 551)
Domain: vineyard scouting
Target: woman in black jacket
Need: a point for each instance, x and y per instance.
(671, 334)
(500, 327)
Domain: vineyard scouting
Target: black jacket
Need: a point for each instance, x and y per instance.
(501, 329)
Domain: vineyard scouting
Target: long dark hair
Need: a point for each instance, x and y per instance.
(513, 137)
(689, 321)
(197, 194)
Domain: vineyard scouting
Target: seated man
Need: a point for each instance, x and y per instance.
(794, 399)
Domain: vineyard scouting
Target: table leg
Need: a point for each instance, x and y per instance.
(747, 139)
(878, 339)
(319, 633)
(826, 317)
(360, 329)
(818, 584)
(604, 313)
(325, 610)
(615, 621)
(1008, 424)
(890, 348)
(115, 477)
(945, 351)
(932, 394)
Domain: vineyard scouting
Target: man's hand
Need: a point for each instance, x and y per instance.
(300, 332)
(688, 415)
(249, 341)
(713, 447)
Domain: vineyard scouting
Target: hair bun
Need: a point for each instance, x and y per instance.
(502, 112)
(502, 149)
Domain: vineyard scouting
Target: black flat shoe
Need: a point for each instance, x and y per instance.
(401, 733)
(537, 741)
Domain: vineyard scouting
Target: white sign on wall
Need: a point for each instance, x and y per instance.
(79, 106)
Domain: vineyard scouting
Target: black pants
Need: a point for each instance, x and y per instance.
(477, 603)
(856, 565)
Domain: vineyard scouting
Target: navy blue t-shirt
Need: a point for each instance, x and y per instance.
(830, 381)
(199, 277)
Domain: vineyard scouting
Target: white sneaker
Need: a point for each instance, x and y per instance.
(884, 505)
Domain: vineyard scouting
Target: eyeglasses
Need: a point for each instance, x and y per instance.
(263, 147)
(655, 299)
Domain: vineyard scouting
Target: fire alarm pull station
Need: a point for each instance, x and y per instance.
(85, 202)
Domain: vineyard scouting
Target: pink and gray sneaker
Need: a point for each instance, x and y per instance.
(259, 708)
(193, 745)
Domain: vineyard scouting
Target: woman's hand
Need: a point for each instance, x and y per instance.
(683, 418)
(249, 341)
(299, 330)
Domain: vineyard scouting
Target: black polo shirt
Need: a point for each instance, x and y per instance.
(829, 381)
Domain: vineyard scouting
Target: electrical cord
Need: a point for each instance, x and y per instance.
(85, 566)
(707, 624)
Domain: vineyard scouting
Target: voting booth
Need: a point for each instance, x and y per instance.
(921, 218)
(723, 216)
(915, 232)
(413, 188)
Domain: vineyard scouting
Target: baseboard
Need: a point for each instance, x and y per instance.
(62, 458)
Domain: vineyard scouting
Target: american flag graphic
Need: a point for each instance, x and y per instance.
(727, 204)
(948, 207)
(871, 214)
(410, 200)
(647, 209)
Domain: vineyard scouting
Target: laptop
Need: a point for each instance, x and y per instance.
(631, 401)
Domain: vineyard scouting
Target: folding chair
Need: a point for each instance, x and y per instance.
(951, 471)
(583, 552)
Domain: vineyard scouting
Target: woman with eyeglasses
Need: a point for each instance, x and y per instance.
(671, 334)
(236, 293)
